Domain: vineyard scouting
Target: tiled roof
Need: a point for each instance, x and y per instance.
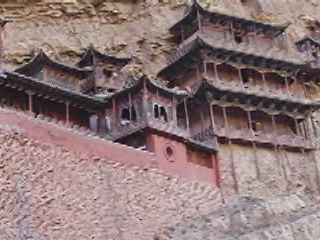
(41, 59)
(248, 25)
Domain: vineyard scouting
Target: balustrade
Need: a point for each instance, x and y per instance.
(250, 88)
(290, 140)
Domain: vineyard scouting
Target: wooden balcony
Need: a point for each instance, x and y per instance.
(121, 130)
(268, 139)
(255, 89)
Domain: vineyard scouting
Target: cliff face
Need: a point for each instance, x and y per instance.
(64, 28)
(52, 193)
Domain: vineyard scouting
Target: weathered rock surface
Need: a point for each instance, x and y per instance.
(51, 193)
(64, 28)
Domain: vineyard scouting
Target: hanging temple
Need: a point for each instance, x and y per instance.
(230, 81)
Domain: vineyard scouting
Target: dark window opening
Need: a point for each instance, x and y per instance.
(245, 76)
(133, 113)
(238, 38)
(160, 112)
(107, 73)
(156, 111)
(254, 126)
(127, 116)
(163, 113)
(111, 90)
(315, 55)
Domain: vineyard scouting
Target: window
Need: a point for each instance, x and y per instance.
(255, 126)
(128, 114)
(163, 114)
(245, 76)
(160, 112)
(238, 38)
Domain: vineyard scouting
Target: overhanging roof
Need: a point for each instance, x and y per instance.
(16, 80)
(196, 51)
(87, 59)
(241, 24)
(259, 102)
(41, 60)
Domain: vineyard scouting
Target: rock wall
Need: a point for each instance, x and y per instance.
(267, 173)
(50, 193)
(63, 28)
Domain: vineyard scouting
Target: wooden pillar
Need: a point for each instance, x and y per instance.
(130, 106)
(215, 140)
(274, 129)
(250, 123)
(199, 22)
(287, 86)
(174, 111)
(67, 112)
(265, 86)
(182, 34)
(216, 72)
(198, 73)
(225, 118)
(187, 114)
(145, 99)
(255, 35)
(114, 113)
(205, 68)
(315, 133)
(240, 78)
(30, 100)
(232, 32)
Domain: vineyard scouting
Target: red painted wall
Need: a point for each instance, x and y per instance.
(183, 162)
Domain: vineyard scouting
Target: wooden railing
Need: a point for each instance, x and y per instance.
(290, 140)
(256, 89)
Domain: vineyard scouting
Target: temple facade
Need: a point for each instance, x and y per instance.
(232, 83)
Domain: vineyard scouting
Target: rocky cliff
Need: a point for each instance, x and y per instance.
(49, 192)
(63, 28)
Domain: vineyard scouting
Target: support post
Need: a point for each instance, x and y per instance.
(315, 133)
(216, 72)
(67, 112)
(130, 107)
(265, 86)
(205, 68)
(226, 123)
(199, 22)
(145, 98)
(240, 78)
(174, 111)
(114, 114)
(250, 123)
(30, 101)
(287, 86)
(215, 140)
(187, 115)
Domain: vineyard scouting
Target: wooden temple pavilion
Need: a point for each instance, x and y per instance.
(242, 94)
(231, 81)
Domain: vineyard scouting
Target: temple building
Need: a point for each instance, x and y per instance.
(231, 82)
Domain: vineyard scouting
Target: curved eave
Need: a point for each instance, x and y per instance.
(42, 59)
(253, 99)
(87, 59)
(192, 13)
(137, 86)
(308, 38)
(19, 81)
(193, 52)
